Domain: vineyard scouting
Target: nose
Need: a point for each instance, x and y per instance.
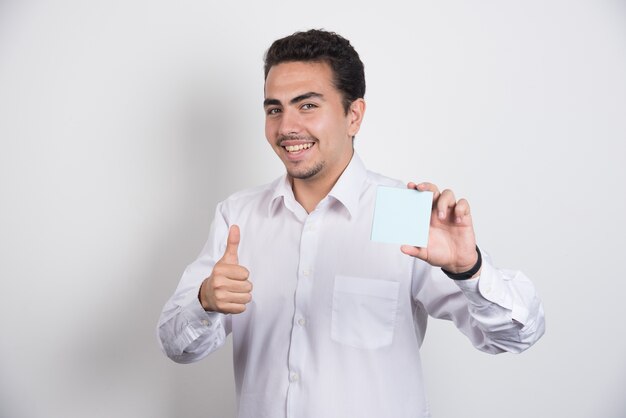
(289, 122)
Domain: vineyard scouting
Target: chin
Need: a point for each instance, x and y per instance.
(305, 173)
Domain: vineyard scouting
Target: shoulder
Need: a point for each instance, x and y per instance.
(249, 199)
(376, 179)
(252, 193)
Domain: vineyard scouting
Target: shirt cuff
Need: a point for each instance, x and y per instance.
(489, 287)
(197, 320)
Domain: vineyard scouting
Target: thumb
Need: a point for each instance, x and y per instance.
(232, 246)
(418, 252)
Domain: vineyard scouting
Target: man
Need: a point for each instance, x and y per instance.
(333, 325)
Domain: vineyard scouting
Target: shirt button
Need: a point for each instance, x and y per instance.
(306, 272)
(301, 322)
(293, 377)
(206, 322)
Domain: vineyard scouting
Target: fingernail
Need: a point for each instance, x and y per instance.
(457, 220)
(442, 214)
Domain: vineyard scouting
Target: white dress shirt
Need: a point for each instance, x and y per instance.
(336, 320)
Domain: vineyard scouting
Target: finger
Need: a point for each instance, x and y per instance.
(230, 271)
(425, 187)
(223, 298)
(232, 308)
(239, 298)
(224, 271)
(461, 210)
(239, 286)
(445, 201)
(232, 246)
(237, 272)
(243, 287)
(418, 252)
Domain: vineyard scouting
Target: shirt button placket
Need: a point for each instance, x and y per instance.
(298, 345)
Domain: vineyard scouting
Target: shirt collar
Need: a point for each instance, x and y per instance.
(349, 186)
(346, 191)
(282, 193)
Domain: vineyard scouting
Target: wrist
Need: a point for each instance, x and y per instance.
(203, 302)
(466, 274)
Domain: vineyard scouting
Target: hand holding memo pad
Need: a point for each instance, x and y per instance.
(402, 216)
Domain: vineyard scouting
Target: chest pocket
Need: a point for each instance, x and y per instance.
(364, 311)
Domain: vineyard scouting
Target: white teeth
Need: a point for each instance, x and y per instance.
(299, 147)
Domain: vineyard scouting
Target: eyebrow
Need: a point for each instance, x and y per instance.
(305, 96)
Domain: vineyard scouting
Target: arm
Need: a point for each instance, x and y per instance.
(497, 309)
(195, 320)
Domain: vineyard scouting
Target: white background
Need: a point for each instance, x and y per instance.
(123, 123)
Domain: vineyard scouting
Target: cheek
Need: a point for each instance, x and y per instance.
(321, 125)
(269, 132)
(334, 126)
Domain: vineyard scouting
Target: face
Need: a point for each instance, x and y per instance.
(305, 121)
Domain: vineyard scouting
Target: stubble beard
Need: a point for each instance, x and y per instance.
(306, 173)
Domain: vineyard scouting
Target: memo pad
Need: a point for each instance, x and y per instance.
(402, 216)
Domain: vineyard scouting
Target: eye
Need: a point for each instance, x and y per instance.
(272, 111)
(308, 106)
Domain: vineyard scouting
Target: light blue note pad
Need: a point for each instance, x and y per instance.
(402, 216)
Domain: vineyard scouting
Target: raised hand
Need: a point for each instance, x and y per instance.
(451, 240)
(227, 289)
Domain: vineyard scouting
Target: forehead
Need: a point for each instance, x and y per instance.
(294, 78)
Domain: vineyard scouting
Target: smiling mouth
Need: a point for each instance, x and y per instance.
(297, 148)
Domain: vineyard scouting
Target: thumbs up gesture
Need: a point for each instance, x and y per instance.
(227, 289)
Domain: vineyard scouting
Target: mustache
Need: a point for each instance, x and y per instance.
(283, 138)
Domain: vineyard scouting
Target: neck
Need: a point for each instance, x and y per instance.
(309, 192)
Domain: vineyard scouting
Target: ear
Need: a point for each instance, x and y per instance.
(355, 116)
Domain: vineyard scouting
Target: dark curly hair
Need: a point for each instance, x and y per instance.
(322, 46)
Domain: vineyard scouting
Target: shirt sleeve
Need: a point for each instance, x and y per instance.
(498, 311)
(186, 332)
